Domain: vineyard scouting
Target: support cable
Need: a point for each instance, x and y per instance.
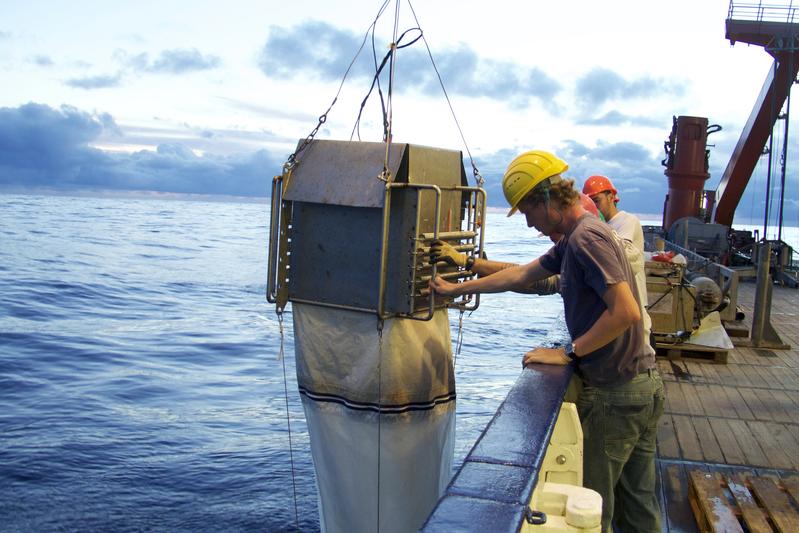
(380, 324)
(292, 159)
(784, 155)
(288, 419)
(773, 117)
(478, 177)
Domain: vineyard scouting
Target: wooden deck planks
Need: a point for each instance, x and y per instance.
(744, 414)
(733, 455)
(710, 504)
(667, 443)
(752, 514)
(692, 401)
(777, 504)
(686, 435)
(766, 436)
(711, 451)
(749, 444)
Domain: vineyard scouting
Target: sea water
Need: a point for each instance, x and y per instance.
(141, 386)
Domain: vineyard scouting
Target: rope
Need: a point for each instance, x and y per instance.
(379, 409)
(459, 337)
(292, 159)
(288, 419)
(478, 178)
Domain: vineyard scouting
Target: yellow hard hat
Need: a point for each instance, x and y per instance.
(526, 171)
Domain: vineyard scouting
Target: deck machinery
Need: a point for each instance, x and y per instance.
(699, 219)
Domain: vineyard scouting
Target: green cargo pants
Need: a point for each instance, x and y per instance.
(619, 446)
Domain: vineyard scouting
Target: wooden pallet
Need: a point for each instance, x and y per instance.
(690, 351)
(740, 502)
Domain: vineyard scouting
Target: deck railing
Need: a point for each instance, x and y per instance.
(761, 12)
(493, 488)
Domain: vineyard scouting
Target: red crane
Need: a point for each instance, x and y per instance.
(776, 29)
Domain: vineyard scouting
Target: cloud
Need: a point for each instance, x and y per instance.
(180, 61)
(616, 118)
(5, 34)
(270, 112)
(174, 61)
(288, 52)
(43, 61)
(95, 82)
(601, 85)
(45, 147)
(635, 172)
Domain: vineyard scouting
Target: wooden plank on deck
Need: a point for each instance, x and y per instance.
(766, 435)
(777, 504)
(686, 436)
(791, 484)
(692, 399)
(753, 515)
(710, 505)
(667, 438)
(749, 445)
(707, 440)
(726, 439)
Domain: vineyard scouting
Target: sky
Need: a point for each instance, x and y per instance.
(204, 98)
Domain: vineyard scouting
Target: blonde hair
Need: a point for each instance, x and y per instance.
(561, 193)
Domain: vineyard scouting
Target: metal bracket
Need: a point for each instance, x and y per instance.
(277, 291)
(535, 518)
(381, 299)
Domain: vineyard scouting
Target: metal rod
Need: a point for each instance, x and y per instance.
(425, 250)
(448, 235)
(384, 245)
(274, 231)
(448, 275)
(381, 288)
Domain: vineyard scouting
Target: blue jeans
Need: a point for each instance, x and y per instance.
(619, 447)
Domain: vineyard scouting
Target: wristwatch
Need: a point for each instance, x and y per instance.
(569, 349)
(469, 263)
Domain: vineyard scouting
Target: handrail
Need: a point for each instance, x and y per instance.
(762, 12)
(511, 449)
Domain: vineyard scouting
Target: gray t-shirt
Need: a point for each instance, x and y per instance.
(589, 260)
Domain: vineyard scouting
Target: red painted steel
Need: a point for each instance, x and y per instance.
(686, 168)
(781, 40)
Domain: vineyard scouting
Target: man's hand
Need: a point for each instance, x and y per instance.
(442, 251)
(444, 287)
(548, 356)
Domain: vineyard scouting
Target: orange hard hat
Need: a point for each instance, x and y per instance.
(597, 184)
(588, 204)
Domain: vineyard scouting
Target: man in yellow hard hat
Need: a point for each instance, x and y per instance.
(622, 394)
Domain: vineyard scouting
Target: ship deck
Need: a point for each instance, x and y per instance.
(738, 418)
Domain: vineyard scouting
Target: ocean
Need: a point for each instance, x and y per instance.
(140, 383)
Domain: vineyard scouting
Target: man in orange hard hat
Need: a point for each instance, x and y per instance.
(622, 396)
(601, 190)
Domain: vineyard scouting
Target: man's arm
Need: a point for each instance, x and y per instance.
(443, 251)
(621, 313)
(516, 278)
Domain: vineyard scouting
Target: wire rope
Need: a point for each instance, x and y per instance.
(478, 177)
(281, 356)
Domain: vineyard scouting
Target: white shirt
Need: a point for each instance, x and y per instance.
(628, 228)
